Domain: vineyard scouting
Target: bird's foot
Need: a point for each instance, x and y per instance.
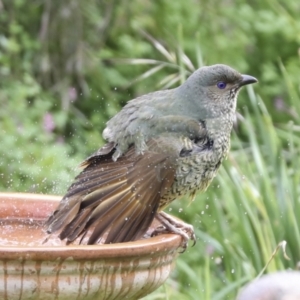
(171, 224)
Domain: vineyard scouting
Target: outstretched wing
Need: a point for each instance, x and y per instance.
(119, 197)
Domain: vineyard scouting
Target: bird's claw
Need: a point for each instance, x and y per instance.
(173, 225)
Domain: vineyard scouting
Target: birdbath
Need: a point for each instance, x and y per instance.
(31, 268)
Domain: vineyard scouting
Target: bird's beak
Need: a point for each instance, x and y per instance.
(247, 79)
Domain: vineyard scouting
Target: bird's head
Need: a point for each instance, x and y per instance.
(212, 91)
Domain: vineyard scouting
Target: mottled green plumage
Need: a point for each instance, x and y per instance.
(160, 146)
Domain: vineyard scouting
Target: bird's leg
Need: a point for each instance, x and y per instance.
(173, 225)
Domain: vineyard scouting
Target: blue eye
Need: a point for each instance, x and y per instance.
(221, 85)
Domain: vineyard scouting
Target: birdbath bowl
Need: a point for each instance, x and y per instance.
(31, 268)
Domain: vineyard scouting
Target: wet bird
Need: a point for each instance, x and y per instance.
(160, 146)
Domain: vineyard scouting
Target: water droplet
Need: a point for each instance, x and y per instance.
(218, 260)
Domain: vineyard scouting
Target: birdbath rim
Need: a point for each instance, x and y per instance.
(155, 245)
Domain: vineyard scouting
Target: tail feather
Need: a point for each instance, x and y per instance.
(103, 193)
(100, 202)
(104, 218)
(142, 220)
(74, 229)
(62, 217)
(89, 183)
(122, 227)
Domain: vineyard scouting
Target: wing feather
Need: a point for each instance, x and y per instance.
(120, 197)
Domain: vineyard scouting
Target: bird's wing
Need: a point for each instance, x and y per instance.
(120, 197)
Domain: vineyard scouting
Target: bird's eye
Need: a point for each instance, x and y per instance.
(221, 85)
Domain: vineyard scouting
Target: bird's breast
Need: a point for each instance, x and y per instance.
(195, 172)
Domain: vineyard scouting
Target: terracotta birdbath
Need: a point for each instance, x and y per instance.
(31, 268)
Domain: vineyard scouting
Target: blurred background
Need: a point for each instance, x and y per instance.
(66, 67)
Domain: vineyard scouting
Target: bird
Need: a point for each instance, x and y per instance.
(159, 147)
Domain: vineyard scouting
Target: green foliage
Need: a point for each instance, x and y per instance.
(27, 162)
(67, 66)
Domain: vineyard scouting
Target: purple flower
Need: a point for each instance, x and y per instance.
(48, 123)
(72, 94)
